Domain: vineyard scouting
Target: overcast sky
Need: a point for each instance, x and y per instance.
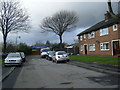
(89, 13)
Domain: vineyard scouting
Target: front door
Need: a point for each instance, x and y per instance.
(116, 48)
(85, 48)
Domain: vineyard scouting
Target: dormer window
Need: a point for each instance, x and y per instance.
(115, 27)
(91, 35)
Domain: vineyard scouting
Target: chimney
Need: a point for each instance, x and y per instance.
(107, 15)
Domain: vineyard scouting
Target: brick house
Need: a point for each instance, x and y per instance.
(101, 39)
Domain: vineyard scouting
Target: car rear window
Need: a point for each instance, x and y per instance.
(61, 53)
(14, 55)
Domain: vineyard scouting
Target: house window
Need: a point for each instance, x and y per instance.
(84, 36)
(115, 27)
(81, 47)
(91, 35)
(103, 31)
(91, 47)
(81, 38)
(104, 46)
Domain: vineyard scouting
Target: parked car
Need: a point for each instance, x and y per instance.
(23, 56)
(3, 55)
(50, 54)
(60, 56)
(44, 52)
(13, 59)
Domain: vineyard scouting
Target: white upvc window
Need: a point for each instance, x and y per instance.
(103, 31)
(104, 46)
(81, 37)
(84, 36)
(81, 47)
(115, 27)
(91, 35)
(91, 47)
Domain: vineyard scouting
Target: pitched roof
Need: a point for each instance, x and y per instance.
(102, 24)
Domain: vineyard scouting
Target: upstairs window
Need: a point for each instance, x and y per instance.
(91, 47)
(103, 31)
(80, 38)
(105, 46)
(84, 36)
(115, 27)
(91, 35)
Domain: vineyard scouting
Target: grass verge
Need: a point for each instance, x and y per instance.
(114, 61)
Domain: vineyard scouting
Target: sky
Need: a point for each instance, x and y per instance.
(89, 13)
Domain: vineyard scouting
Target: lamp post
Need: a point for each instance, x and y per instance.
(17, 38)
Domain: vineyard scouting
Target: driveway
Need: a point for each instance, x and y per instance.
(41, 73)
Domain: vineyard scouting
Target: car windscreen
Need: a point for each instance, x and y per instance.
(14, 55)
(61, 53)
(51, 53)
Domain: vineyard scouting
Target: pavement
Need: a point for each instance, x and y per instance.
(6, 71)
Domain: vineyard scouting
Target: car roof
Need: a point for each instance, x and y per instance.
(15, 53)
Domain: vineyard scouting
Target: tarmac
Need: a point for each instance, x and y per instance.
(6, 71)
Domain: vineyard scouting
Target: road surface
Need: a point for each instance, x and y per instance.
(41, 73)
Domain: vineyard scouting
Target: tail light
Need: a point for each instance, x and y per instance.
(58, 56)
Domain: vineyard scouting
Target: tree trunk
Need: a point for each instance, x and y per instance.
(4, 43)
(60, 42)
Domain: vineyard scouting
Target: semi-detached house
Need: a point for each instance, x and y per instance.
(101, 39)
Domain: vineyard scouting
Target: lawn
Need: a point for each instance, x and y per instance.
(97, 59)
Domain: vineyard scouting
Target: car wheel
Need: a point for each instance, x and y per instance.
(68, 60)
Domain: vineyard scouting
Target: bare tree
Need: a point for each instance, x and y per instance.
(59, 23)
(12, 19)
(111, 10)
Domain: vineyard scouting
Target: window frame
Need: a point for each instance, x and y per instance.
(115, 29)
(81, 37)
(84, 36)
(101, 31)
(101, 45)
(93, 48)
(89, 35)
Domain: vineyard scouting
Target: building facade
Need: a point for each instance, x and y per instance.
(101, 39)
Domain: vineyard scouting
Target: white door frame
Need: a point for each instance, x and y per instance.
(112, 44)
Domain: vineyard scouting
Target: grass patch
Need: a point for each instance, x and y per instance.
(97, 59)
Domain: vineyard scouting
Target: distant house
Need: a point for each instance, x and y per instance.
(72, 49)
(102, 38)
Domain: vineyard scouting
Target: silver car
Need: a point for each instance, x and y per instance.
(60, 56)
(13, 59)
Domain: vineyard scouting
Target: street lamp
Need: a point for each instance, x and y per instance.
(16, 39)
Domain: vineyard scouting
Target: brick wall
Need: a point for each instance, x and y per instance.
(113, 35)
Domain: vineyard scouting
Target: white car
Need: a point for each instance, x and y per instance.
(13, 59)
(60, 56)
(44, 52)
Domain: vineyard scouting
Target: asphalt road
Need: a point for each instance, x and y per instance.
(41, 73)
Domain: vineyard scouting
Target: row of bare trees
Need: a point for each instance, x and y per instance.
(13, 19)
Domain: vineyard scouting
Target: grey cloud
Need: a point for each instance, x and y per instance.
(89, 13)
